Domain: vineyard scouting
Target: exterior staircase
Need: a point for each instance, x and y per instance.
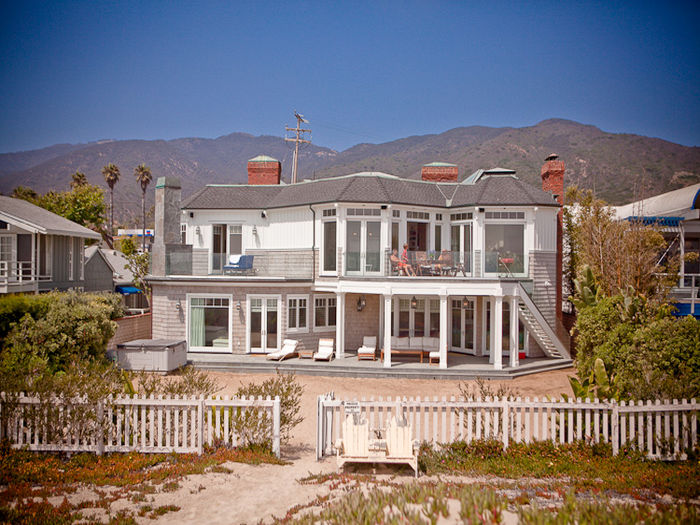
(538, 327)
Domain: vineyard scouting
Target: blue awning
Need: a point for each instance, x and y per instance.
(660, 221)
(127, 290)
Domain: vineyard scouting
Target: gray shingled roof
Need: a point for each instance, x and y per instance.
(28, 215)
(372, 188)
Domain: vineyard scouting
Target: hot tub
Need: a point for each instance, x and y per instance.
(152, 355)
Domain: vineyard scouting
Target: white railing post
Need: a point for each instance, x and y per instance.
(615, 421)
(276, 426)
(319, 428)
(99, 430)
(200, 425)
(505, 425)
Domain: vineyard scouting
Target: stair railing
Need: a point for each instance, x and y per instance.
(530, 305)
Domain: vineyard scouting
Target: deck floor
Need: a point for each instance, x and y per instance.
(459, 366)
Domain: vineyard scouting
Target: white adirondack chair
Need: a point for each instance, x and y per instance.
(354, 445)
(400, 447)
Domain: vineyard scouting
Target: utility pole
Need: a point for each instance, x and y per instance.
(298, 138)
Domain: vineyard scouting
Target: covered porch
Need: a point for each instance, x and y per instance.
(481, 322)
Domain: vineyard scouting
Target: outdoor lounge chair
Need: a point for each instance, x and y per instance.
(368, 348)
(239, 264)
(325, 350)
(289, 349)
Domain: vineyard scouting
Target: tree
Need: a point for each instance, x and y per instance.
(83, 205)
(78, 179)
(127, 246)
(139, 265)
(620, 254)
(111, 175)
(24, 193)
(144, 177)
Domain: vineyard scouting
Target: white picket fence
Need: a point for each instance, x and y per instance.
(133, 423)
(661, 430)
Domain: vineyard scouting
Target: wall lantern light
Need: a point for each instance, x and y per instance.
(361, 303)
(414, 302)
(465, 302)
(178, 306)
(197, 230)
(255, 230)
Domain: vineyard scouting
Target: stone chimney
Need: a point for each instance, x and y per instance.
(440, 172)
(167, 234)
(553, 182)
(264, 170)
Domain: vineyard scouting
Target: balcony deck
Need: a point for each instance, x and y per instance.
(459, 366)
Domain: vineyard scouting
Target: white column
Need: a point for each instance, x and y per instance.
(443, 331)
(340, 325)
(382, 328)
(682, 252)
(387, 331)
(514, 329)
(497, 331)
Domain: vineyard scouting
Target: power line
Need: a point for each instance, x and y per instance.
(298, 138)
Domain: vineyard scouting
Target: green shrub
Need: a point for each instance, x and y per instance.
(73, 326)
(650, 353)
(257, 429)
(14, 307)
(186, 381)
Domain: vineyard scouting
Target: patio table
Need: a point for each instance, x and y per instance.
(306, 353)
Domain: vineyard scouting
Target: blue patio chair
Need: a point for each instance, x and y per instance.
(240, 264)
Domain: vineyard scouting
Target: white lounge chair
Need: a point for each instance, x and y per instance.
(368, 349)
(325, 350)
(289, 349)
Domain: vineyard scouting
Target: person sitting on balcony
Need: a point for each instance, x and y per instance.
(405, 265)
(444, 264)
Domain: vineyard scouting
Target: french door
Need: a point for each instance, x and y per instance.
(264, 323)
(363, 247)
(461, 245)
(463, 334)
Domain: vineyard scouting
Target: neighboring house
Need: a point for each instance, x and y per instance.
(677, 212)
(322, 263)
(106, 271)
(39, 250)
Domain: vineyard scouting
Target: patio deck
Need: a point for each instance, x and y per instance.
(459, 366)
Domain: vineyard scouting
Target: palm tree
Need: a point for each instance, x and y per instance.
(111, 174)
(78, 179)
(143, 175)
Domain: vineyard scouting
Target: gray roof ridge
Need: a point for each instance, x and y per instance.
(480, 194)
(386, 192)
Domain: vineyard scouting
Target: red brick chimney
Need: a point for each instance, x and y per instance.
(553, 181)
(264, 170)
(440, 172)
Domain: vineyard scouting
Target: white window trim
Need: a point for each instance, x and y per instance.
(71, 259)
(323, 328)
(82, 261)
(209, 349)
(322, 272)
(298, 330)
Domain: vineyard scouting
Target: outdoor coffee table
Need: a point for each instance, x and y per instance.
(305, 354)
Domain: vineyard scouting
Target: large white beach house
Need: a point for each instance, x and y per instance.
(239, 268)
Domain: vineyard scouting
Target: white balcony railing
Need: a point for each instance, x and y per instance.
(13, 272)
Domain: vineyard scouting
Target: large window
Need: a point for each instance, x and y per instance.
(235, 239)
(324, 313)
(329, 246)
(210, 323)
(297, 317)
(504, 248)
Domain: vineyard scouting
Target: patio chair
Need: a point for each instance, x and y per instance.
(325, 350)
(354, 445)
(239, 264)
(368, 348)
(289, 349)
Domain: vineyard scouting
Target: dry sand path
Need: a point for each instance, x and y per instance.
(253, 493)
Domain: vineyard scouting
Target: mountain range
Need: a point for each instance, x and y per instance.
(619, 167)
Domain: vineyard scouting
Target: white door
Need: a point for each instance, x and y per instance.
(264, 322)
(8, 256)
(363, 248)
(462, 331)
(461, 245)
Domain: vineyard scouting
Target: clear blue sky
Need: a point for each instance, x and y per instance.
(360, 72)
